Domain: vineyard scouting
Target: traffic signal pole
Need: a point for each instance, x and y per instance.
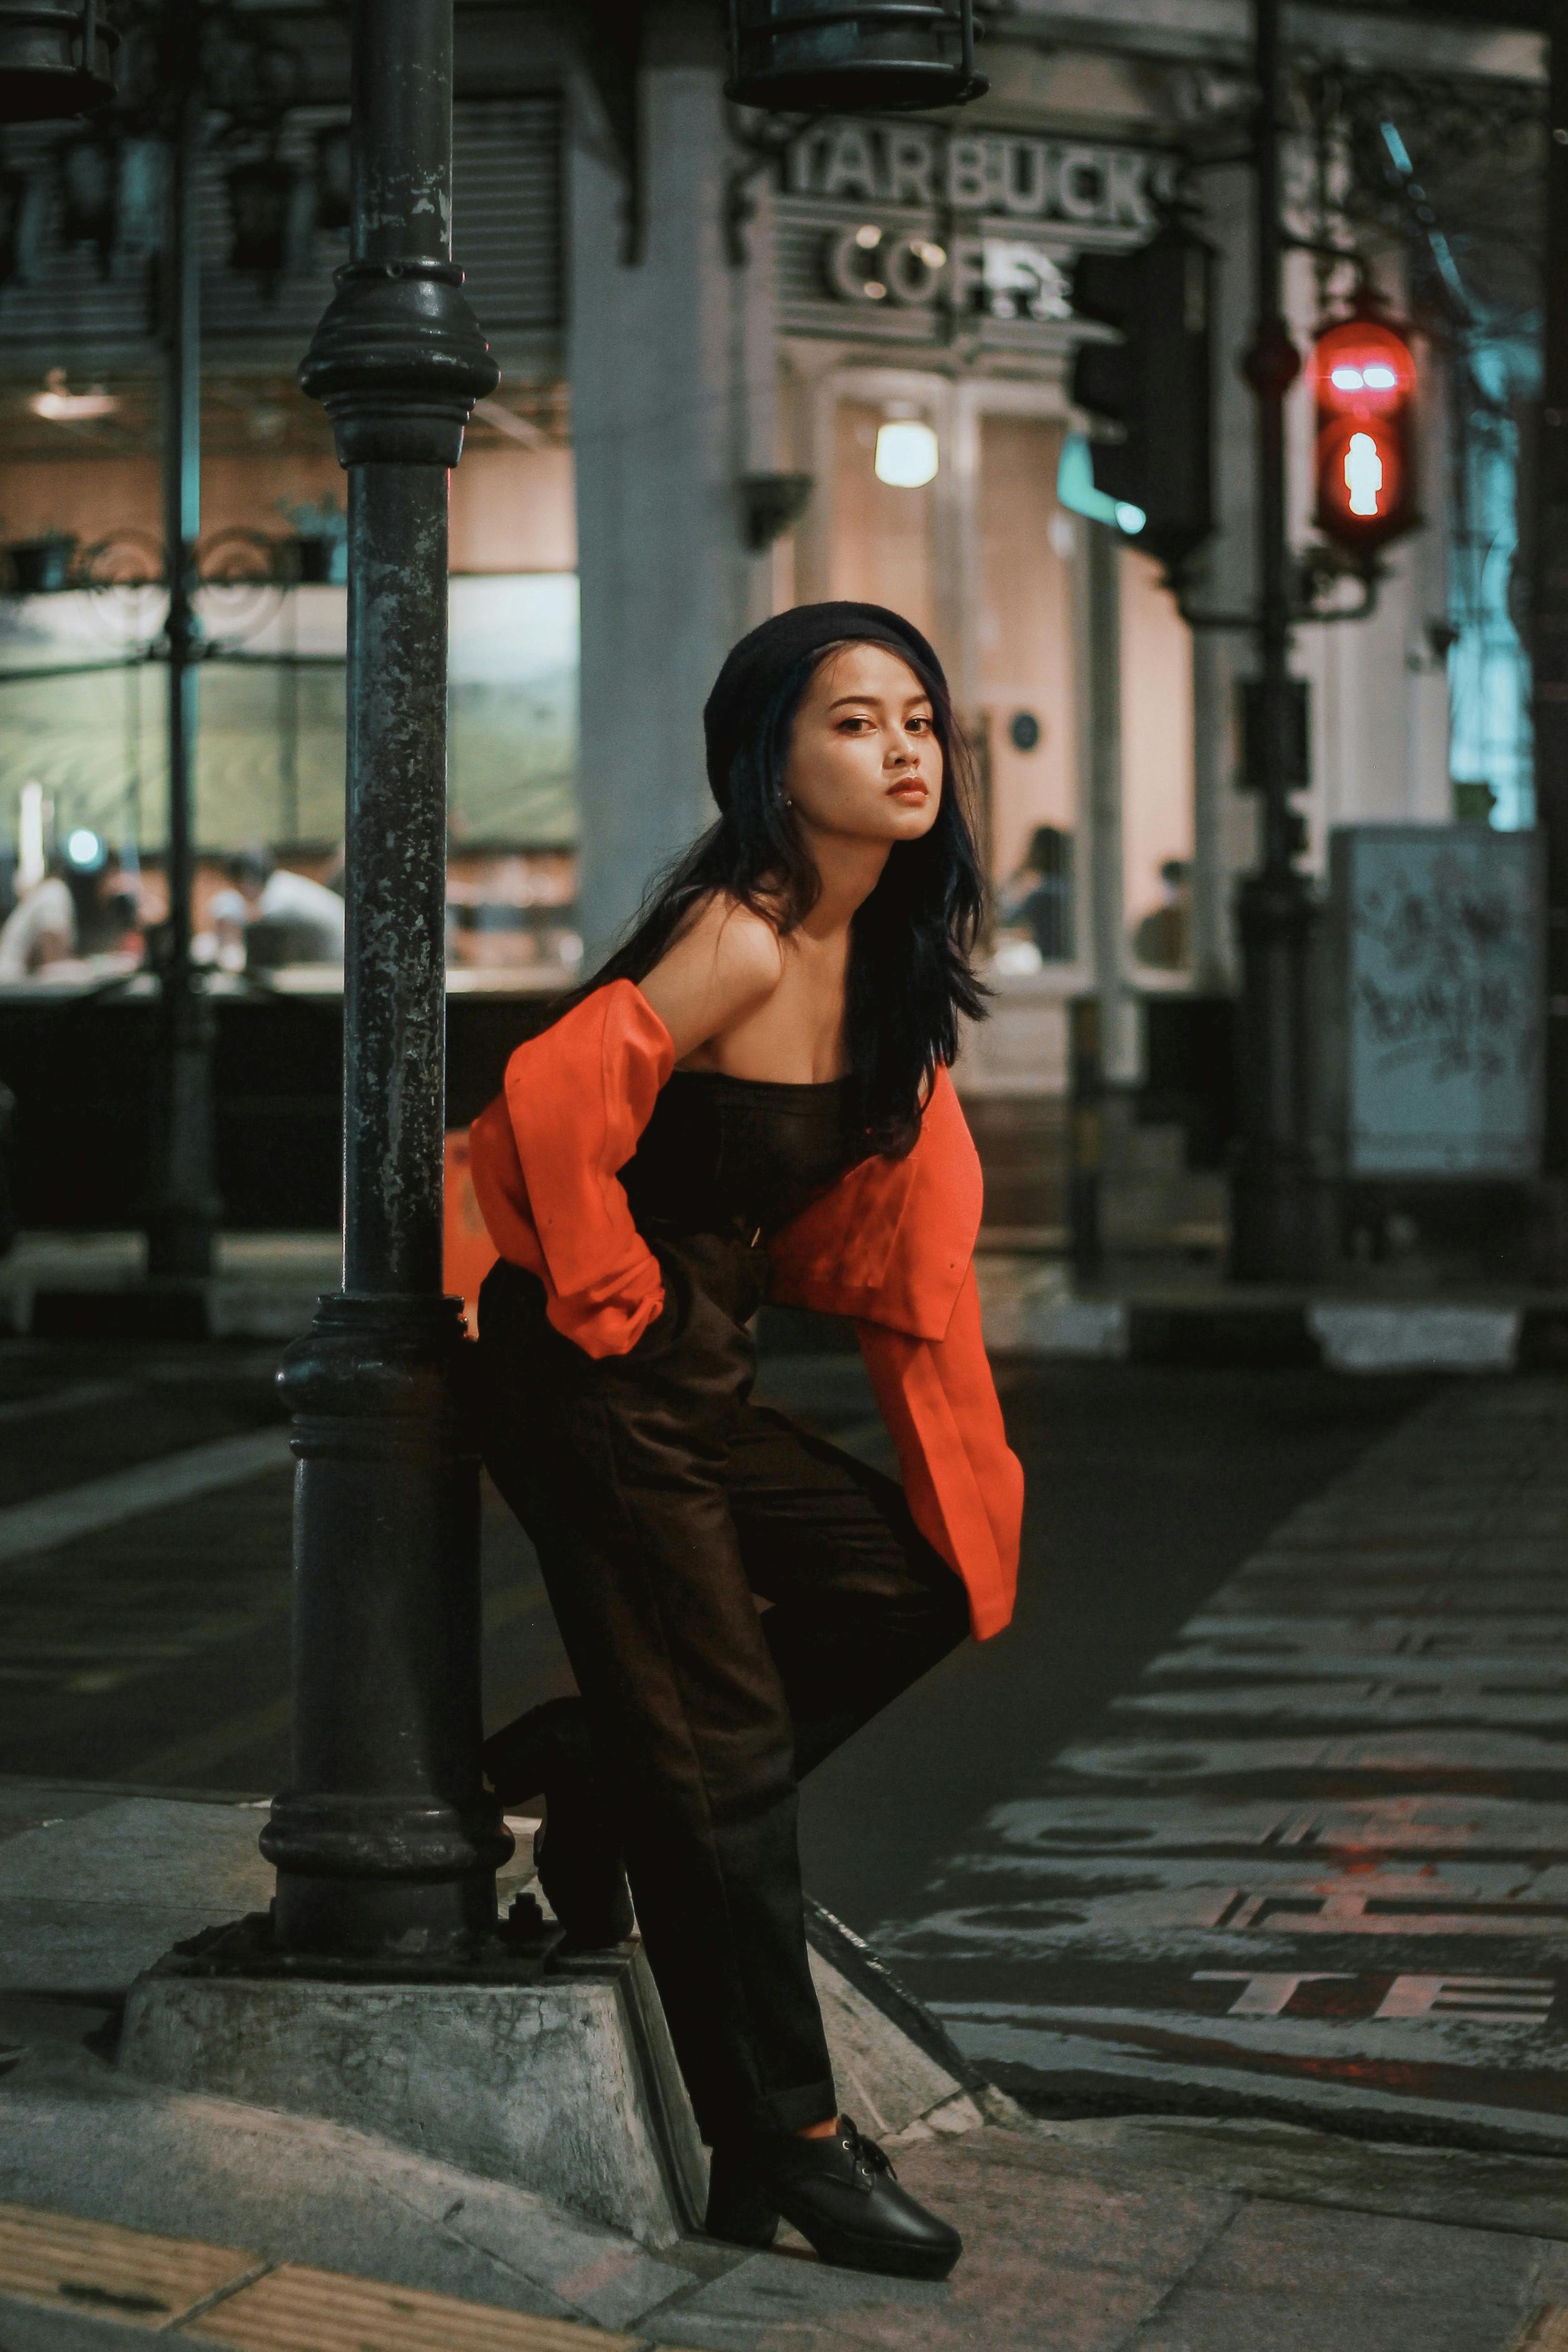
(1277, 1197)
(1550, 617)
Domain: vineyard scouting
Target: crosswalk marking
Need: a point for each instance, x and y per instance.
(29, 1529)
(73, 1398)
(1318, 1854)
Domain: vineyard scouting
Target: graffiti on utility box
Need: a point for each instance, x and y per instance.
(1437, 982)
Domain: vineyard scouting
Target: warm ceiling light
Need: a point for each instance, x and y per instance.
(63, 408)
(906, 454)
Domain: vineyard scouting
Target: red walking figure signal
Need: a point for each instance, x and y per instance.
(1363, 374)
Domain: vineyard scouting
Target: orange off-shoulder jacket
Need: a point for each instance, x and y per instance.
(890, 1245)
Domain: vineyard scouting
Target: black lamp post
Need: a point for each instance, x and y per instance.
(833, 56)
(386, 1845)
(1278, 1194)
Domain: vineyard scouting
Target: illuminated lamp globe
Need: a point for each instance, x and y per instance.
(907, 454)
(56, 60)
(828, 56)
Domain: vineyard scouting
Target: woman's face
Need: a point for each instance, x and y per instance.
(864, 761)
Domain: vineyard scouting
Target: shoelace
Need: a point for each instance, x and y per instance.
(869, 2159)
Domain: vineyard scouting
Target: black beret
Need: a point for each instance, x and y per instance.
(755, 667)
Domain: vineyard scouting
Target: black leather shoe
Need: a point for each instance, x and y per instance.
(547, 1752)
(840, 2193)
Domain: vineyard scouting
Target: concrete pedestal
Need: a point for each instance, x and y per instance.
(566, 2085)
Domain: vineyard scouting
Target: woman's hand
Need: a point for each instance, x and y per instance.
(718, 972)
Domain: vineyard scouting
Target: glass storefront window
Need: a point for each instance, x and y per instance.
(270, 758)
(1156, 770)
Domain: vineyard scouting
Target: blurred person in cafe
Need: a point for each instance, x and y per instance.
(270, 916)
(1160, 937)
(82, 907)
(40, 929)
(1038, 897)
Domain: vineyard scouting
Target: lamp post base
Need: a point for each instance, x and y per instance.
(559, 2078)
(386, 1843)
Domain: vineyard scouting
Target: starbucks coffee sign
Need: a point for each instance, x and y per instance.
(1013, 174)
(911, 227)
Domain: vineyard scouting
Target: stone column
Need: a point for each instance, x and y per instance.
(671, 364)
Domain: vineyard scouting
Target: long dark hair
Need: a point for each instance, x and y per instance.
(910, 942)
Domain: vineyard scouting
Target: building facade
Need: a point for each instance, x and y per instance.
(748, 363)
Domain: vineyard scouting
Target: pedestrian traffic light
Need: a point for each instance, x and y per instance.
(1152, 388)
(1362, 373)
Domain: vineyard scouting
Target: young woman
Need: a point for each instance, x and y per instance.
(751, 1100)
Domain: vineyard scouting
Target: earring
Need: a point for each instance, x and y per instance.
(788, 803)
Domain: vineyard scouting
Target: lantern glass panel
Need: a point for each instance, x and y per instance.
(828, 56)
(46, 72)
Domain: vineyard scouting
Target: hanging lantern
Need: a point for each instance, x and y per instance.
(825, 57)
(56, 60)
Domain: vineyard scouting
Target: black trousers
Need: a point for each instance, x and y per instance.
(663, 1504)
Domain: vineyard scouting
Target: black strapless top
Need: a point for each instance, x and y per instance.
(723, 1153)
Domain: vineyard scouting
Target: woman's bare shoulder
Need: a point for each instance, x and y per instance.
(742, 946)
(722, 964)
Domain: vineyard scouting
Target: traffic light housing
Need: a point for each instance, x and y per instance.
(1364, 379)
(1154, 385)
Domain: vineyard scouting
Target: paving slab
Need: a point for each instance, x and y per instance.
(1299, 2280)
(1050, 2259)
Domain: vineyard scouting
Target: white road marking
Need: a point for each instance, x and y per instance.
(1335, 1758)
(1391, 1822)
(1385, 1699)
(69, 1399)
(1380, 1339)
(29, 1529)
(1269, 1995)
(1527, 2000)
(1178, 1759)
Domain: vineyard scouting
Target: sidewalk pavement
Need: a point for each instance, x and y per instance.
(250, 2228)
(67, 1285)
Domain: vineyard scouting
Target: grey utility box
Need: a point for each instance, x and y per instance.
(1436, 977)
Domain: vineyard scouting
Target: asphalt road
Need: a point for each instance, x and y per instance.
(144, 1633)
(1146, 1488)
